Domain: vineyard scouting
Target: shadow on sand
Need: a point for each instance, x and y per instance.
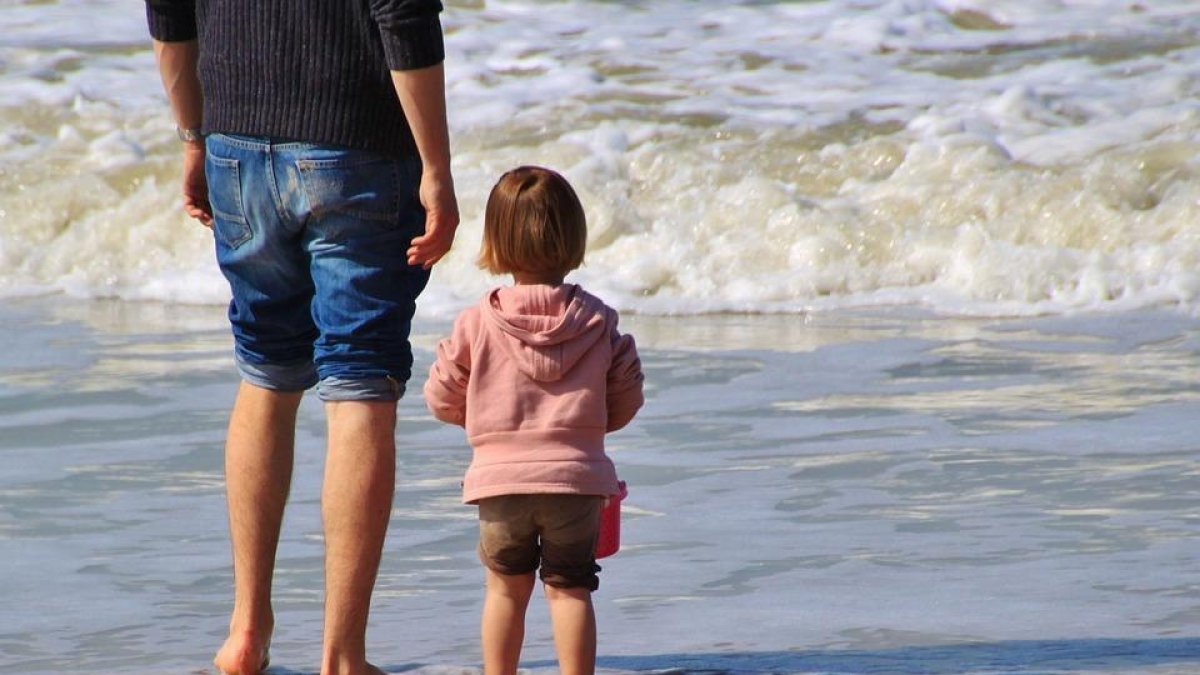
(993, 658)
(1013, 656)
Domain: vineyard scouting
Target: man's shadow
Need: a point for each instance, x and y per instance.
(1009, 656)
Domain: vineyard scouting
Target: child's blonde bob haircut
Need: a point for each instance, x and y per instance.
(533, 224)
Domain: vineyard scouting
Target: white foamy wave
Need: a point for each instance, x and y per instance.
(974, 157)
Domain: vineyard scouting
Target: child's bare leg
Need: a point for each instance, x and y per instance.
(574, 623)
(503, 625)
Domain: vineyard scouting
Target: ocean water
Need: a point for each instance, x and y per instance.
(915, 282)
(977, 157)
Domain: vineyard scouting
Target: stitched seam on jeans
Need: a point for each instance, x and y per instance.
(242, 143)
(276, 198)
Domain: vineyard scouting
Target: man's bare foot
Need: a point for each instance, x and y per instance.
(243, 653)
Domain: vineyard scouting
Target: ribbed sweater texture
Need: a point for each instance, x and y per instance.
(317, 71)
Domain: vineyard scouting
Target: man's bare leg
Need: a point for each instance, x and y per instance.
(356, 504)
(258, 473)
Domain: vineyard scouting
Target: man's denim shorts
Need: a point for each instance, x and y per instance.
(313, 240)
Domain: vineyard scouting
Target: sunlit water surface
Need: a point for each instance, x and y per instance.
(841, 492)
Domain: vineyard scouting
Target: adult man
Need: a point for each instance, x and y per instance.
(306, 127)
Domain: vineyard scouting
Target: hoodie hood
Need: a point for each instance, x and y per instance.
(545, 329)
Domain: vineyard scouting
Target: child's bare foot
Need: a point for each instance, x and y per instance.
(243, 654)
(371, 670)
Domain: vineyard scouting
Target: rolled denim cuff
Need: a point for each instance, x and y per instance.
(296, 376)
(383, 388)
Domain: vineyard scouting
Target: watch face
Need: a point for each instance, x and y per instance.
(189, 135)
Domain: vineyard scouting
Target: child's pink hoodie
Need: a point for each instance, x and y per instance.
(537, 375)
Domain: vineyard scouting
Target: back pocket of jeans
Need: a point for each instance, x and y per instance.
(225, 196)
(358, 184)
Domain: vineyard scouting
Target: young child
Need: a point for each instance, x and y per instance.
(537, 373)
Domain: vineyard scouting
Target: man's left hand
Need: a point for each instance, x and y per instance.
(195, 185)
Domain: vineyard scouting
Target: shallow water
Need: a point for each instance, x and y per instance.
(869, 492)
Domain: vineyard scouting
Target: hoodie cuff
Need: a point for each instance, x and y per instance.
(414, 44)
(171, 21)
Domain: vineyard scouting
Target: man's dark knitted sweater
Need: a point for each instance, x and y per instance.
(308, 70)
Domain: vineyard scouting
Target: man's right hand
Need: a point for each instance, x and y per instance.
(422, 94)
(441, 219)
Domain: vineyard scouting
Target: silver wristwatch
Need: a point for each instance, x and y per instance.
(190, 135)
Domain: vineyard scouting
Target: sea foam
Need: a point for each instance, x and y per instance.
(994, 158)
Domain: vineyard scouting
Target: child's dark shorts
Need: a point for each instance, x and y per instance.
(554, 532)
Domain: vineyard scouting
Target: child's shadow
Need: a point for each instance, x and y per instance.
(1009, 656)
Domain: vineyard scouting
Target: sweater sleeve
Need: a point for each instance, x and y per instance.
(624, 382)
(411, 32)
(446, 388)
(172, 20)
